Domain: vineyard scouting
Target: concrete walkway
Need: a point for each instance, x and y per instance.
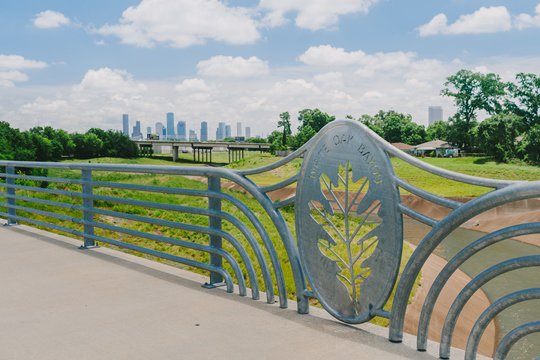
(59, 302)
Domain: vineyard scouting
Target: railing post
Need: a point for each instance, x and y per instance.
(10, 170)
(88, 204)
(214, 185)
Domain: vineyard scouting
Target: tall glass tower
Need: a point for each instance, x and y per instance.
(204, 131)
(181, 130)
(125, 124)
(170, 125)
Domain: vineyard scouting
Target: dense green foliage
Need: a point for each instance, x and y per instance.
(48, 144)
(395, 127)
(510, 132)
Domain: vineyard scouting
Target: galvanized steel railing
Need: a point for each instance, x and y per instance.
(347, 199)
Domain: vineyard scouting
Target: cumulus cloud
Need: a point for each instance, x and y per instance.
(483, 21)
(228, 66)
(366, 64)
(523, 21)
(312, 14)
(10, 66)
(113, 81)
(50, 19)
(18, 62)
(183, 23)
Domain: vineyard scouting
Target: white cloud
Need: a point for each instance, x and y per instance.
(312, 14)
(183, 23)
(228, 66)
(17, 62)
(192, 85)
(327, 55)
(10, 66)
(366, 64)
(111, 81)
(483, 21)
(523, 21)
(9, 78)
(50, 19)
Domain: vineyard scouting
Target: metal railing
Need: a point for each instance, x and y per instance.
(331, 199)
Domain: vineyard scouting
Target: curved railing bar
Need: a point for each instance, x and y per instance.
(189, 192)
(247, 184)
(514, 336)
(279, 185)
(286, 237)
(206, 212)
(215, 269)
(416, 215)
(285, 202)
(297, 153)
(439, 200)
(196, 229)
(426, 247)
(473, 286)
(455, 263)
(187, 244)
(492, 311)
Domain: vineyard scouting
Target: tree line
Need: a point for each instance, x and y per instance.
(510, 131)
(49, 144)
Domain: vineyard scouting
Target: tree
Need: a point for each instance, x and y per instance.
(530, 145)
(395, 127)
(461, 133)
(473, 91)
(285, 123)
(437, 131)
(525, 101)
(311, 121)
(497, 136)
(87, 145)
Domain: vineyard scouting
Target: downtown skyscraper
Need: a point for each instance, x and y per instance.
(204, 131)
(170, 126)
(181, 130)
(125, 124)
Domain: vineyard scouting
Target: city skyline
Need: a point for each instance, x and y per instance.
(181, 127)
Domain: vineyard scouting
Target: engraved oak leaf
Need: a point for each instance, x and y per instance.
(347, 213)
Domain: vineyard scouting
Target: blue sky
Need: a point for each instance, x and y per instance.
(76, 65)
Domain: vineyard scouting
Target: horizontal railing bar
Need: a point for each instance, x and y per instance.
(159, 254)
(245, 231)
(178, 242)
(43, 201)
(417, 216)
(44, 224)
(72, 194)
(427, 195)
(178, 259)
(280, 185)
(43, 178)
(289, 201)
(192, 228)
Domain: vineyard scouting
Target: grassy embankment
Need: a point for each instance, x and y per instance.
(466, 165)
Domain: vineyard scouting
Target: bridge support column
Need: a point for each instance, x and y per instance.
(175, 153)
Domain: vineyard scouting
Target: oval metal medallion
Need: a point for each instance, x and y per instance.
(348, 225)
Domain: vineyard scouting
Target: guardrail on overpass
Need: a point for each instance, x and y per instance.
(348, 222)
